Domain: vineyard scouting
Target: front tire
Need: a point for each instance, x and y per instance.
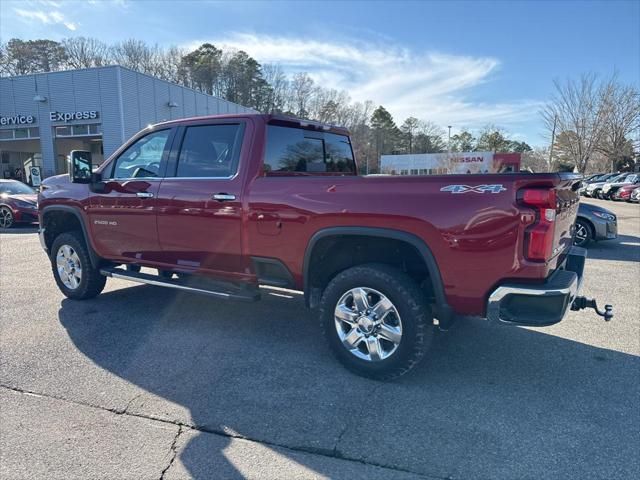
(75, 275)
(583, 234)
(376, 321)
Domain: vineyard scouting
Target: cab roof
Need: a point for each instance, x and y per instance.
(275, 119)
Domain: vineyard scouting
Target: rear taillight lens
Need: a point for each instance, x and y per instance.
(539, 236)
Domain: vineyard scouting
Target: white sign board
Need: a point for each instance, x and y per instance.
(36, 177)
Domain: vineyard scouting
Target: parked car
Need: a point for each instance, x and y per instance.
(594, 186)
(635, 196)
(232, 202)
(587, 180)
(594, 224)
(18, 203)
(624, 191)
(611, 187)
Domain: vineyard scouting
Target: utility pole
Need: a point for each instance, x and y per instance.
(553, 141)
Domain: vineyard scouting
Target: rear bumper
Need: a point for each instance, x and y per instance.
(543, 304)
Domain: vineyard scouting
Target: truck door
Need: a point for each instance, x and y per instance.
(123, 216)
(199, 200)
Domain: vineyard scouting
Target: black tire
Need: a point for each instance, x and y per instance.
(410, 303)
(91, 281)
(580, 240)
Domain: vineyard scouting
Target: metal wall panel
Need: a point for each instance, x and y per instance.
(44, 125)
(86, 89)
(7, 105)
(131, 100)
(113, 134)
(146, 100)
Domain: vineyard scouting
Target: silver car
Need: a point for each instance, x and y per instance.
(594, 186)
(593, 224)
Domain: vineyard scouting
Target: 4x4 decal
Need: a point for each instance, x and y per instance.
(497, 188)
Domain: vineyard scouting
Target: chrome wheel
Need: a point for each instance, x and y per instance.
(581, 235)
(6, 217)
(69, 267)
(368, 324)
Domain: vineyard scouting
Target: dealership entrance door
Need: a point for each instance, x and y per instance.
(77, 137)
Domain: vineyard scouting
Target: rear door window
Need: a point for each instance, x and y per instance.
(210, 151)
(299, 151)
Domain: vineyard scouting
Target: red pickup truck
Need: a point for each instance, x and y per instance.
(221, 205)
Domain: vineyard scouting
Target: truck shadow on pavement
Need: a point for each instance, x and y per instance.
(625, 247)
(488, 401)
(20, 228)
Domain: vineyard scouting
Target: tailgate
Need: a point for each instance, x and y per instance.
(567, 199)
(554, 199)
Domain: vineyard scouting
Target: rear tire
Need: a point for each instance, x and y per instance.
(6, 217)
(75, 275)
(391, 332)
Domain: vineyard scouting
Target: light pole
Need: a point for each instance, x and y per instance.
(449, 142)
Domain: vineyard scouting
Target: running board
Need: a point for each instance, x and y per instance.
(235, 293)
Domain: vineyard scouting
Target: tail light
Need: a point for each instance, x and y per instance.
(539, 236)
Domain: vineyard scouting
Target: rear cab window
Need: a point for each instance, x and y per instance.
(210, 151)
(298, 151)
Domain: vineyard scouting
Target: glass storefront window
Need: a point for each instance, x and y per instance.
(6, 134)
(63, 131)
(34, 132)
(78, 130)
(81, 129)
(21, 133)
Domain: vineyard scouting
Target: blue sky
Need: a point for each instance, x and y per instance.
(464, 64)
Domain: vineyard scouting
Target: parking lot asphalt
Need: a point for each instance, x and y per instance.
(143, 382)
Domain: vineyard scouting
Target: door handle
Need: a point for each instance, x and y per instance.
(223, 197)
(144, 195)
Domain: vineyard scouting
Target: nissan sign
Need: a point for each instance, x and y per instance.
(17, 120)
(71, 116)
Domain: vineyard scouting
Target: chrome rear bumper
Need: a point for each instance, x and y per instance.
(539, 304)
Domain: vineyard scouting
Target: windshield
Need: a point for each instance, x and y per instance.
(15, 188)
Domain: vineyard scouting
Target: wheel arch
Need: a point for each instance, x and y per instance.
(60, 213)
(590, 224)
(443, 310)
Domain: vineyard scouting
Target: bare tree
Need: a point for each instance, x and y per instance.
(576, 107)
(136, 55)
(536, 160)
(621, 112)
(274, 75)
(84, 52)
(300, 94)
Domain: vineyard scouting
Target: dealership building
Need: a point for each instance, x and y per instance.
(46, 115)
(450, 163)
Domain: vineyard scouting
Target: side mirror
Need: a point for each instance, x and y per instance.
(80, 167)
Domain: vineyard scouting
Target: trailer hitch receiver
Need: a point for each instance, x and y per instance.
(584, 302)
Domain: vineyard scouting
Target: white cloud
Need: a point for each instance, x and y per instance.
(431, 86)
(53, 17)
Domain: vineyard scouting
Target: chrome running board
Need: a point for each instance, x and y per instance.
(235, 293)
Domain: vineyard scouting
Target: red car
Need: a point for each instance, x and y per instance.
(18, 203)
(624, 192)
(221, 205)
